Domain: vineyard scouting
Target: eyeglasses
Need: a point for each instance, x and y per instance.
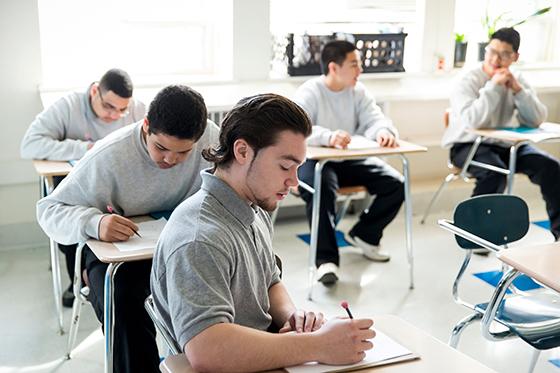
(504, 56)
(111, 108)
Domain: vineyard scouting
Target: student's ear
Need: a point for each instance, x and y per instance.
(332, 67)
(93, 90)
(242, 151)
(145, 126)
(515, 57)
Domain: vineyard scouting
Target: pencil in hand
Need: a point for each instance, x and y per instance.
(111, 210)
(344, 304)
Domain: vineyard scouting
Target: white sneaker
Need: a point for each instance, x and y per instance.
(372, 252)
(327, 274)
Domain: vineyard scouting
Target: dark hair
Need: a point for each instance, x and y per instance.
(178, 111)
(118, 81)
(335, 51)
(258, 120)
(508, 35)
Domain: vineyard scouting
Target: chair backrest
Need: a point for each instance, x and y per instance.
(498, 218)
(169, 341)
(446, 114)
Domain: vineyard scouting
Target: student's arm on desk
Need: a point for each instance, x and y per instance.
(371, 121)
(530, 110)
(44, 138)
(285, 314)
(474, 104)
(339, 341)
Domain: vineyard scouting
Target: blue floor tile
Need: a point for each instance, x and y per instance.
(555, 362)
(543, 224)
(341, 242)
(522, 282)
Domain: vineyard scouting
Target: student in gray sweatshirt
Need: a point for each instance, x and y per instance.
(150, 166)
(340, 106)
(491, 95)
(69, 127)
(215, 280)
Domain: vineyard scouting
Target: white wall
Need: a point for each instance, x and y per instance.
(20, 74)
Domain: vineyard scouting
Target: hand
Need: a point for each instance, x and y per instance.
(513, 84)
(501, 76)
(90, 145)
(386, 138)
(114, 227)
(343, 341)
(303, 321)
(339, 139)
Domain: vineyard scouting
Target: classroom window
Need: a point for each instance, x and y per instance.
(153, 41)
(539, 36)
(323, 17)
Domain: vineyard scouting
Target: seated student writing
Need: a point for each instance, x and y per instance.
(150, 166)
(68, 128)
(340, 106)
(491, 95)
(214, 279)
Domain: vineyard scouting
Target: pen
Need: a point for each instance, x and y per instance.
(112, 211)
(344, 304)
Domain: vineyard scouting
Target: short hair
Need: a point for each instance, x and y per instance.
(258, 120)
(118, 81)
(335, 51)
(508, 35)
(178, 111)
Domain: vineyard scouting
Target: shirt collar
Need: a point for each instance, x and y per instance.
(239, 208)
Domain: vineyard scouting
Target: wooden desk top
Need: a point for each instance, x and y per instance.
(322, 153)
(435, 356)
(540, 262)
(549, 131)
(108, 253)
(52, 168)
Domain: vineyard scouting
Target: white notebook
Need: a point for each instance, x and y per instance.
(385, 351)
(149, 230)
(361, 142)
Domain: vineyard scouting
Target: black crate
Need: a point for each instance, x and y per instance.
(380, 52)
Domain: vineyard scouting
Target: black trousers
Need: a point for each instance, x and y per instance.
(376, 176)
(134, 347)
(541, 168)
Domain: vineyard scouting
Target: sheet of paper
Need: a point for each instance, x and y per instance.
(384, 349)
(360, 142)
(149, 230)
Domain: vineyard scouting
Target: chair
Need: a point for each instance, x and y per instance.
(346, 192)
(490, 221)
(80, 294)
(454, 174)
(169, 341)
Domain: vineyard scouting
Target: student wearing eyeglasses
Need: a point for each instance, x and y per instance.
(67, 129)
(492, 95)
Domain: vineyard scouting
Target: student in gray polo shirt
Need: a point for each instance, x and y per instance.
(214, 278)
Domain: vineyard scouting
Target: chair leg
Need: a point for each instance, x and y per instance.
(75, 322)
(534, 360)
(461, 325)
(340, 214)
(445, 181)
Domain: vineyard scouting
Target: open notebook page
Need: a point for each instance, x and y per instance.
(360, 142)
(149, 230)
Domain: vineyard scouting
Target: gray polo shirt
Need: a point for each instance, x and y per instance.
(214, 263)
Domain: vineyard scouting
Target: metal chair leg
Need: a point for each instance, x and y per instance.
(78, 301)
(445, 181)
(534, 359)
(343, 209)
(460, 326)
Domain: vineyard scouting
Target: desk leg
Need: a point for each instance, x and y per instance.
(46, 189)
(108, 315)
(315, 225)
(408, 219)
(512, 165)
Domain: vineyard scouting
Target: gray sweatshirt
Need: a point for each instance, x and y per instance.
(62, 131)
(214, 263)
(477, 102)
(119, 171)
(353, 110)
